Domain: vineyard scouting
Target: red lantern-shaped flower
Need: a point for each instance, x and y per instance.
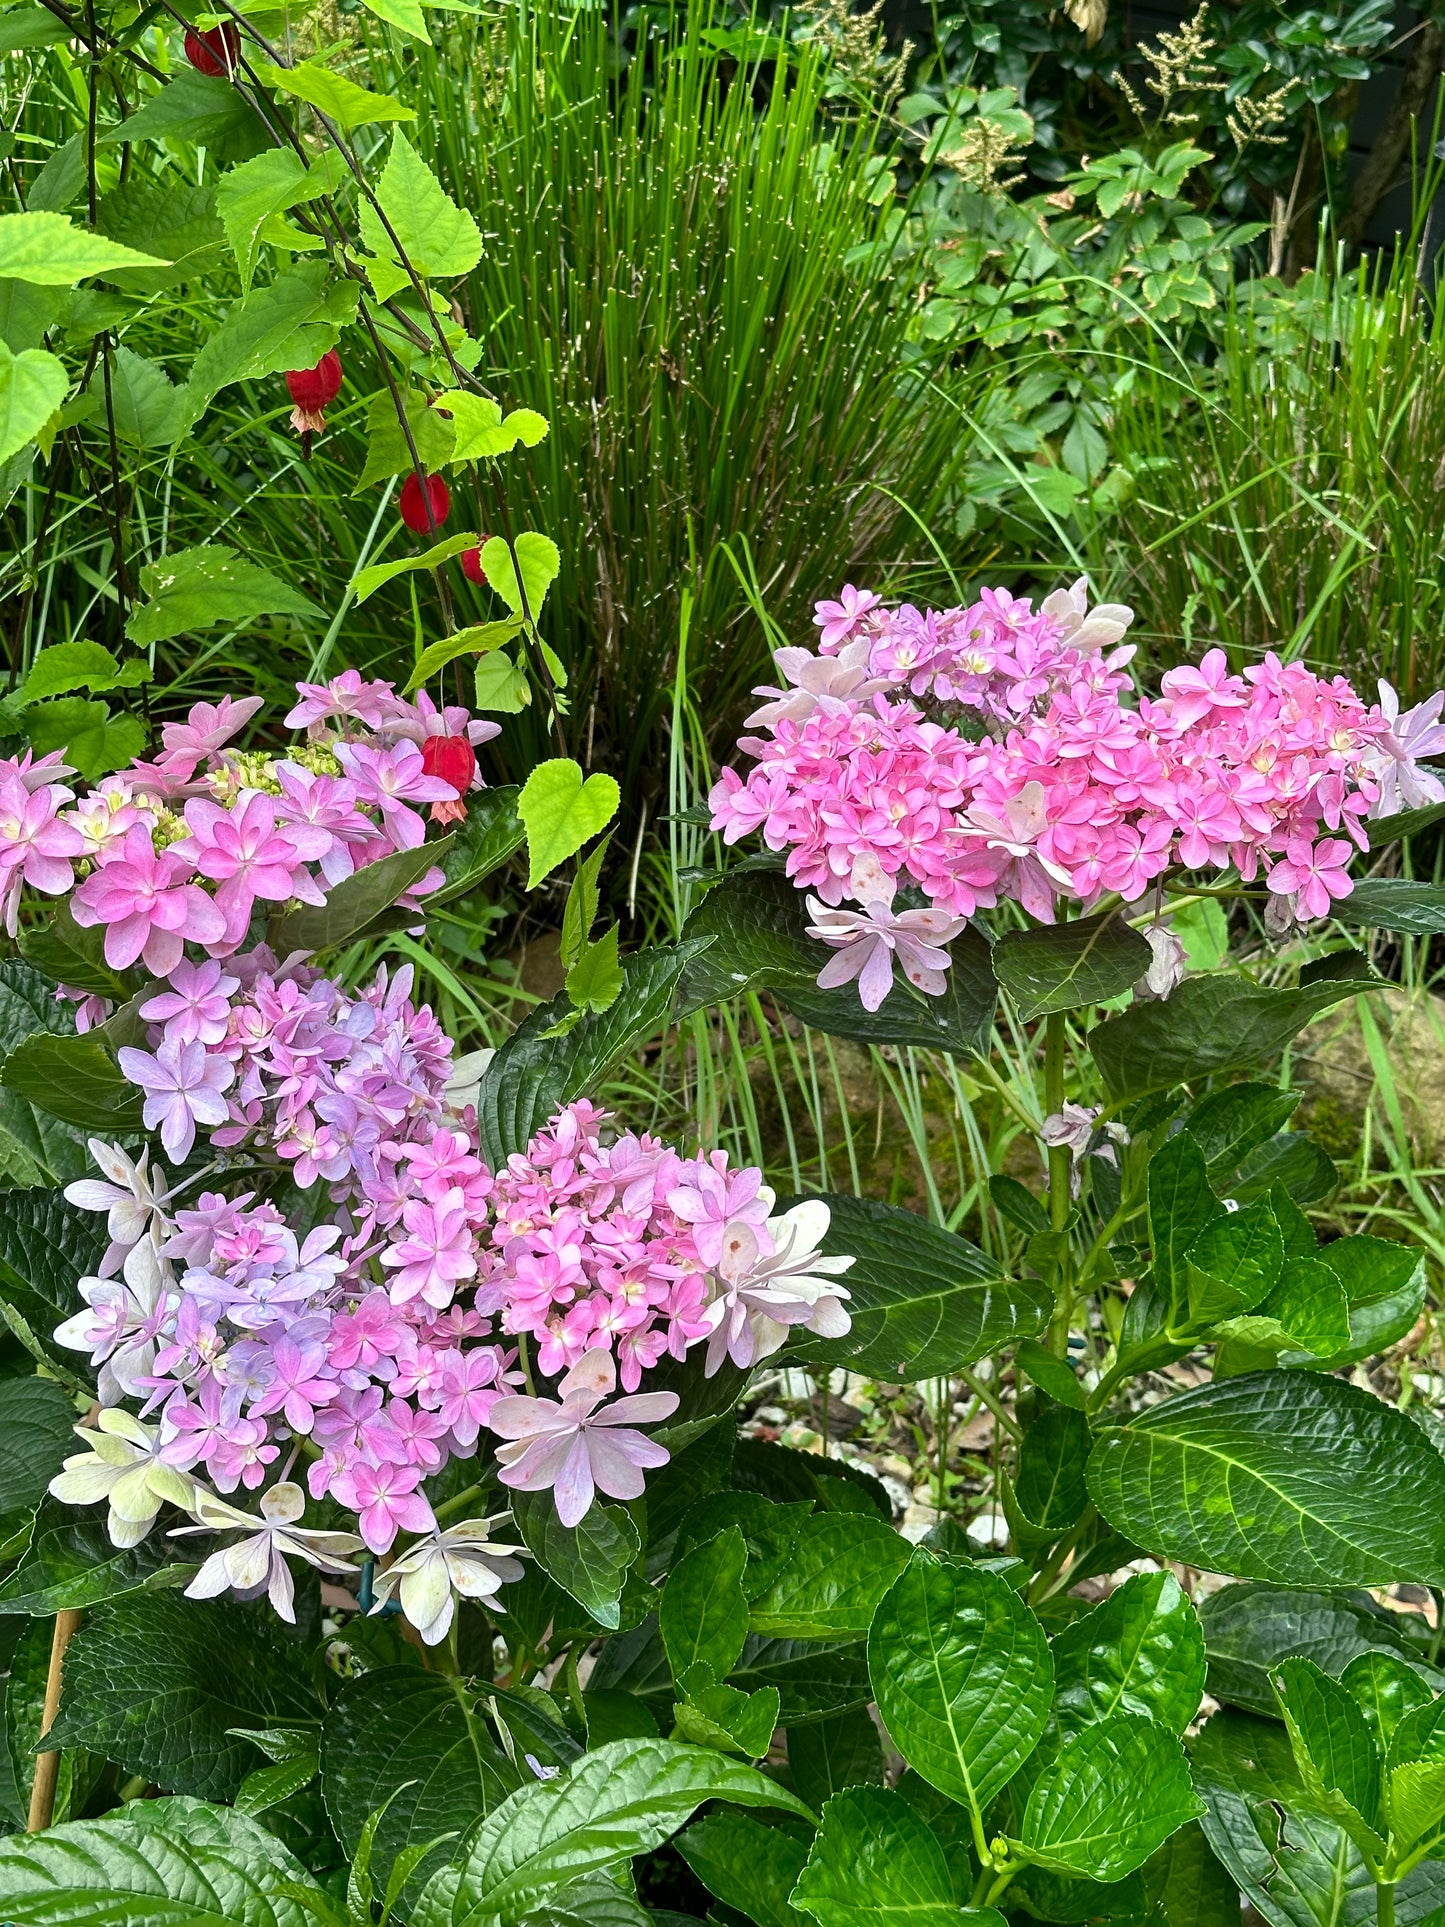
(216, 52)
(472, 565)
(452, 760)
(313, 390)
(413, 504)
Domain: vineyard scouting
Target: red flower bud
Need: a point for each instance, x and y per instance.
(453, 760)
(413, 506)
(216, 52)
(312, 390)
(472, 565)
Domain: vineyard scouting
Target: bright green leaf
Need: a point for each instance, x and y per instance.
(962, 1675)
(539, 559)
(561, 813)
(50, 251)
(33, 384)
(483, 432)
(440, 240)
(1108, 1799)
(339, 99)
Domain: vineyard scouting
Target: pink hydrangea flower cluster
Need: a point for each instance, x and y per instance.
(184, 849)
(629, 1249)
(429, 1308)
(999, 751)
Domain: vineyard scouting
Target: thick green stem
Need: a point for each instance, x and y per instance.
(1385, 1903)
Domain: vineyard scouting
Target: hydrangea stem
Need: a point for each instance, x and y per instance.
(47, 1765)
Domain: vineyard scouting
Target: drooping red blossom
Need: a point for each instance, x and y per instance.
(216, 52)
(313, 390)
(413, 505)
(472, 565)
(452, 760)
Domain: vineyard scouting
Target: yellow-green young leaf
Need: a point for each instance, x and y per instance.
(387, 452)
(482, 431)
(367, 581)
(540, 560)
(404, 15)
(480, 640)
(561, 813)
(340, 100)
(251, 195)
(1415, 1799)
(501, 686)
(439, 238)
(32, 387)
(49, 251)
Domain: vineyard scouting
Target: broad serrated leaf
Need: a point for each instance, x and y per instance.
(963, 1677)
(826, 1756)
(703, 1617)
(197, 107)
(492, 832)
(769, 1531)
(1292, 1864)
(622, 1800)
(1250, 1629)
(876, 1863)
(1049, 1487)
(815, 1679)
(1181, 1204)
(922, 1300)
(176, 1862)
(388, 452)
(251, 193)
(1140, 1651)
(746, 1864)
(419, 1745)
(1064, 966)
(203, 588)
(72, 954)
(1385, 1688)
(289, 323)
(840, 1566)
(483, 433)
(440, 239)
(50, 251)
(1279, 1476)
(590, 1560)
(37, 1429)
(1393, 903)
(532, 1076)
(1108, 1799)
(75, 1079)
(1336, 1754)
(157, 1682)
(481, 639)
(46, 1246)
(1210, 1024)
(1228, 1124)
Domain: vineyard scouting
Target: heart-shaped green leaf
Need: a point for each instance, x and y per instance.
(561, 812)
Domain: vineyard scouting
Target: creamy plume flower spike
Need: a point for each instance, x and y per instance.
(364, 1352)
(1003, 752)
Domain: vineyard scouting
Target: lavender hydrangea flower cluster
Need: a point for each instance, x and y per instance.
(433, 1304)
(1003, 752)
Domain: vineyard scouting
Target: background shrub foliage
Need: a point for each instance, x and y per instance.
(696, 316)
